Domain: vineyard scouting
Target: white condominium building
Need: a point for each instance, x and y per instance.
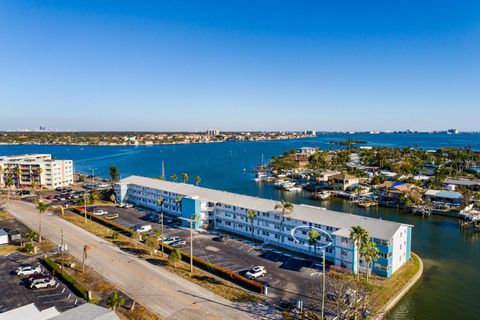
(228, 211)
(39, 169)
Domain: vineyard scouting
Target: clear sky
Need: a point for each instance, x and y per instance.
(240, 65)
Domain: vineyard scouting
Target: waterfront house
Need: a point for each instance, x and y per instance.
(342, 181)
(444, 198)
(473, 185)
(307, 150)
(227, 211)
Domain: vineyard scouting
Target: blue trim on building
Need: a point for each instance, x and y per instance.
(190, 208)
(409, 241)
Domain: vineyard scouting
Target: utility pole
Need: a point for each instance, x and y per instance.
(191, 247)
(62, 248)
(323, 290)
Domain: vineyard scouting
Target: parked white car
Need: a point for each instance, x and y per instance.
(28, 270)
(47, 283)
(142, 229)
(124, 205)
(99, 212)
(256, 272)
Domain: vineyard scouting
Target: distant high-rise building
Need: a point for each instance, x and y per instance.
(213, 132)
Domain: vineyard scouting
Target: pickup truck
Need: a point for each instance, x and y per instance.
(111, 216)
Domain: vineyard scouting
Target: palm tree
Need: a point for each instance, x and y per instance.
(41, 207)
(178, 200)
(33, 186)
(313, 237)
(197, 180)
(2, 170)
(286, 209)
(184, 177)
(18, 173)
(115, 301)
(360, 236)
(8, 184)
(38, 174)
(370, 253)
(114, 174)
(173, 177)
(31, 235)
(85, 256)
(251, 215)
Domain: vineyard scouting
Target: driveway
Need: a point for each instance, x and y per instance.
(166, 294)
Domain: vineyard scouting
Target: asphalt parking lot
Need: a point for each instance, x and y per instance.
(15, 293)
(288, 275)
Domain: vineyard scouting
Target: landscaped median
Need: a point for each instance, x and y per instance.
(70, 281)
(197, 262)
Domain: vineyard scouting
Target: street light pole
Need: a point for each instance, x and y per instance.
(324, 247)
(62, 247)
(161, 217)
(191, 247)
(323, 290)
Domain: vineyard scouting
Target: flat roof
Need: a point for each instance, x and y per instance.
(463, 182)
(382, 229)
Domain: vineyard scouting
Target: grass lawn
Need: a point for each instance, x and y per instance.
(5, 215)
(6, 249)
(386, 289)
(219, 286)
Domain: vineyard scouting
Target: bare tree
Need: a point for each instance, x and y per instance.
(346, 297)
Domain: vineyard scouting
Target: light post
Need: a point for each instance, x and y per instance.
(324, 247)
(161, 227)
(191, 242)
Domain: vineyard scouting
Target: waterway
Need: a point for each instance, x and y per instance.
(449, 288)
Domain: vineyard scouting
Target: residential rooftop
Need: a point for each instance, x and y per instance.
(381, 229)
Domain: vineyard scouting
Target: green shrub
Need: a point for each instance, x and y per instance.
(70, 281)
(29, 248)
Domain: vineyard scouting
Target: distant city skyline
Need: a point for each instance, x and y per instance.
(240, 66)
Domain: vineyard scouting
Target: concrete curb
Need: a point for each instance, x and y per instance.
(394, 300)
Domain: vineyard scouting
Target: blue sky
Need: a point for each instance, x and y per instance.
(240, 65)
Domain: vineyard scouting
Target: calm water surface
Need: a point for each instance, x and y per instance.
(450, 287)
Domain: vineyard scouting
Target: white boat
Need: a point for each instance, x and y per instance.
(324, 195)
(294, 188)
(261, 177)
(279, 184)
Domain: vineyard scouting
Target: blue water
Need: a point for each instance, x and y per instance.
(449, 287)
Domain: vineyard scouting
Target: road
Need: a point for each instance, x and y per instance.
(168, 295)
